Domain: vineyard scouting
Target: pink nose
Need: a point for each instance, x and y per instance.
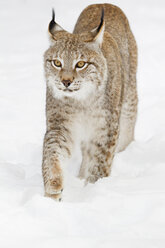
(66, 82)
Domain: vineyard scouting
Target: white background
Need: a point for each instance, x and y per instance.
(125, 210)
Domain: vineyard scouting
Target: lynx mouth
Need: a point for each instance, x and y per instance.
(68, 90)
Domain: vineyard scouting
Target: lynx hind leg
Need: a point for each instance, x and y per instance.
(130, 98)
(127, 119)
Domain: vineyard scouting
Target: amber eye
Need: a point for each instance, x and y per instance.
(80, 64)
(56, 63)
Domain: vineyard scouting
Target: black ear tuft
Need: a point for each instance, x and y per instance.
(53, 15)
(102, 20)
(53, 26)
(99, 32)
(52, 22)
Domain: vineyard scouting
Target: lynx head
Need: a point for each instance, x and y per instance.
(74, 64)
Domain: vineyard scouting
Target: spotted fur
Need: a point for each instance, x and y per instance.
(101, 101)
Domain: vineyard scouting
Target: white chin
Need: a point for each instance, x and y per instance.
(84, 92)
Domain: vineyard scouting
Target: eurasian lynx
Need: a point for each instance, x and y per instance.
(91, 89)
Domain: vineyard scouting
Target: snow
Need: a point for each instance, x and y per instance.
(125, 210)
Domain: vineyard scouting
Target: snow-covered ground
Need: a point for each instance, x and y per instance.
(125, 210)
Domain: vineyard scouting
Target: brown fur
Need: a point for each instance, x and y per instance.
(109, 111)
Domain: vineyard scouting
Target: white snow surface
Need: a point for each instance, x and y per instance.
(125, 210)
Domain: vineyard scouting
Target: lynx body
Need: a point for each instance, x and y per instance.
(91, 90)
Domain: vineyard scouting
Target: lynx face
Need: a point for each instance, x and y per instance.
(74, 67)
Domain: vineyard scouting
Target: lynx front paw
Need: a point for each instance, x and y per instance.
(92, 179)
(57, 197)
(54, 188)
(97, 172)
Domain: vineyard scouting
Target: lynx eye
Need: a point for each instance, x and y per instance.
(56, 63)
(80, 64)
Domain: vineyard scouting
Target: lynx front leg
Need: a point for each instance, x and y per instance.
(100, 156)
(82, 172)
(57, 145)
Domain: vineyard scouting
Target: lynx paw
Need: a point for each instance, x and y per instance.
(91, 179)
(54, 189)
(96, 173)
(57, 197)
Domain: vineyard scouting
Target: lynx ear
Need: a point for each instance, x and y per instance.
(53, 26)
(99, 31)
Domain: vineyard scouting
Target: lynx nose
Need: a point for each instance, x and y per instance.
(66, 82)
